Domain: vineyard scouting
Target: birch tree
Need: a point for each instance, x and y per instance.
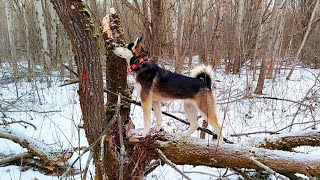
(53, 34)
(43, 34)
(177, 25)
(27, 35)
(11, 34)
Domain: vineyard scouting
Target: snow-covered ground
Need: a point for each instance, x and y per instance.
(55, 112)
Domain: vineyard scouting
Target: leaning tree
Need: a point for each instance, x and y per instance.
(107, 125)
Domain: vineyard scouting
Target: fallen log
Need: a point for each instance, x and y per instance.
(39, 155)
(249, 155)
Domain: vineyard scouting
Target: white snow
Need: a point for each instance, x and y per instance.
(58, 116)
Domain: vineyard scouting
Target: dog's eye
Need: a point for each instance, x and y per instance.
(130, 46)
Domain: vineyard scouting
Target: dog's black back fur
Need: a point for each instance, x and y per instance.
(172, 85)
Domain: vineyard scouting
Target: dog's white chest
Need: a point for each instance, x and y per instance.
(137, 87)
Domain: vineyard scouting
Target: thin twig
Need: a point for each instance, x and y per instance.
(120, 131)
(205, 173)
(269, 170)
(85, 171)
(282, 99)
(271, 132)
(19, 122)
(166, 160)
(66, 173)
(102, 154)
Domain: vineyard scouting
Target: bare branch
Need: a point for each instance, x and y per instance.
(165, 159)
(269, 170)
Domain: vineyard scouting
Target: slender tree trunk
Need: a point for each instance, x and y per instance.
(217, 32)
(296, 58)
(278, 33)
(202, 43)
(239, 38)
(27, 33)
(11, 33)
(270, 40)
(177, 25)
(156, 9)
(53, 35)
(81, 29)
(43, 34)
(258, 38)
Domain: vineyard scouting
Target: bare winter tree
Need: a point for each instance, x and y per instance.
(270, 38)
(43, 33)
(304, 39)
(109, 144)
(230, 32)
(11, 34)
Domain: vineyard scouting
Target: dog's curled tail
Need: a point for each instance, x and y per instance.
(203, 72)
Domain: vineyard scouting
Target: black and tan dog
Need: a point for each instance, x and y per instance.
(159, 85)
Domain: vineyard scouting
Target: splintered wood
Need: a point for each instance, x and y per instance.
(106, 24)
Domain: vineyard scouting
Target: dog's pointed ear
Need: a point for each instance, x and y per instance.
(138, 39)
(137, 47)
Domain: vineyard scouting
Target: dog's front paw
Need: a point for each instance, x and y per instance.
(145, 132)
(139, 133)
(135, 135)
(158, 128)
(185, 134)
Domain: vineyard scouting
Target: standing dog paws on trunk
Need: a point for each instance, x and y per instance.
(159, 85)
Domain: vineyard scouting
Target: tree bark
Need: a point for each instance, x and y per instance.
(116, 73)
(82, 30)
(11, 34)
(43, 34)
(197, 152)
(270, 44)
(27, 35)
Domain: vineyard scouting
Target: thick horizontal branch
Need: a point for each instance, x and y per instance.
(287, 141)
(38, 148)
(14, 158)
(196, 152)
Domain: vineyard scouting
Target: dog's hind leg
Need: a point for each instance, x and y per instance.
(207, 105)
(157, 112)
(191, 112)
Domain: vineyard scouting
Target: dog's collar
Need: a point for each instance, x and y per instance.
(137, 63)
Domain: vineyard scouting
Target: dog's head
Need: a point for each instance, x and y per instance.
(133, 49)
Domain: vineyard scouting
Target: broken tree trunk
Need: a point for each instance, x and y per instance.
(116, 72)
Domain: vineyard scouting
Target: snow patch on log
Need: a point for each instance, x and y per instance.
(37, 147)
